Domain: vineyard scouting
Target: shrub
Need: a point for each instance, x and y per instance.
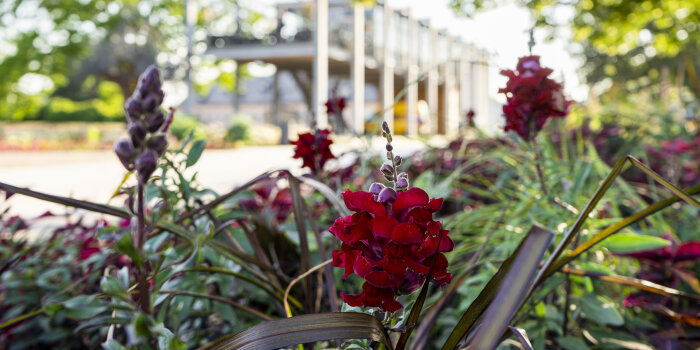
(238, 131)
(183, 125)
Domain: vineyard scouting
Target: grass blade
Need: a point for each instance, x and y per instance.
(514, 289)
(305, 329)
(300, 221)
(522, 337)
(634, 282)
(487, 295)
(612, 229)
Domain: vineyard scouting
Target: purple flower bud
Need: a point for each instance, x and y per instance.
(154, 121)
(158, 143)
(402, 174)
(137, 133)
(387, 169)
(397, 160)
(389, 147)
(402, 184)
(149, 103)
(149, 81)
(146, 164)
(387, 195)
(375, 188)
(133, 107)
(385, 127)
(125, 152)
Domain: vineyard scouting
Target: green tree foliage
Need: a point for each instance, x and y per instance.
(68, 50)
(645, 42)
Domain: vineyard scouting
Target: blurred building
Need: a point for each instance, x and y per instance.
(384, 62)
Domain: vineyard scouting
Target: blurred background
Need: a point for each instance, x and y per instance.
(256, 72)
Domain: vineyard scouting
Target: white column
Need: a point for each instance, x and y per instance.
(464, 83)
(411, 76)
(320, 87)
(451, 105)
(358, 68)
(387, 80)
(432, 81)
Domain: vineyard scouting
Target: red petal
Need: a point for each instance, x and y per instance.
(435, 204)
(383, 226)
(407, 233)
(363, 266)
(408, 199)
(383, 279)
(688, 251)
(363, 201)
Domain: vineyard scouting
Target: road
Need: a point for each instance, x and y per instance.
(94, 175)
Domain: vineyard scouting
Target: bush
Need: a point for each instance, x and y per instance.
(238, 131)
(183, 125)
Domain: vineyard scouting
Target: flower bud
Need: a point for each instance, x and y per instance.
(397, 160)
(158, 143)
(125, 152)
(385, 127)
(389, 147)
(149, 103)
(375, 188)
(154, 121)
(387, 169)
(402, 184)
(133, 107)
(387, 195)
(146, 164)
(388, 155)
(137, 133)
(149, 81)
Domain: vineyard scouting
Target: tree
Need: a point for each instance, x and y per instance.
(623, 41)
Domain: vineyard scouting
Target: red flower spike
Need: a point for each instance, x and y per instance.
(532, 98)
(391, 246)
(314, 149)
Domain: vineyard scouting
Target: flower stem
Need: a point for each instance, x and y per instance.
(142, 280)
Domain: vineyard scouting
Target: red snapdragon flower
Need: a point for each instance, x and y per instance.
(532, 98)
(335, 104)
(314, 149)
(269, 196)
(391, 245)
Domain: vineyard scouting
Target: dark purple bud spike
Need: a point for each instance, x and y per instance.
(137, 133)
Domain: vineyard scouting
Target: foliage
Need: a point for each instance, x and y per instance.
(183, 125)
(238, 131)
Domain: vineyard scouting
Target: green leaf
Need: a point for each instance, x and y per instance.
(83, 307)
(600, 310)
(126, 247)
(112, 345)
(195, 152)
(305, 329)
(571, 343)
(628, 243)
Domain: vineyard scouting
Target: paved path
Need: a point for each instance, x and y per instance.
(94, 175)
